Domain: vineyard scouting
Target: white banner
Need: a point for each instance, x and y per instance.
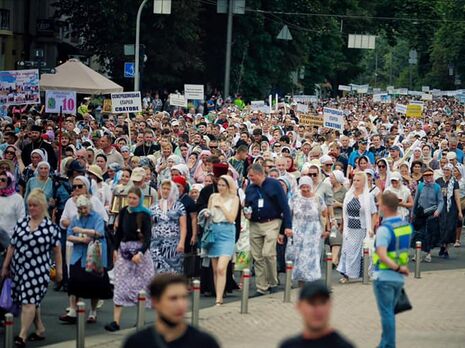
(333, 118)
(194, 92)
(302, 108)
(66, 100)
(425, 88)
(401, 109)
(178, 100)
(126, 102)
(257, 104)
(344, 88)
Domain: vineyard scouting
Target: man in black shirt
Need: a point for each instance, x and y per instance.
(314, 306)
(38, 143)
(148, 147)
(170, 300)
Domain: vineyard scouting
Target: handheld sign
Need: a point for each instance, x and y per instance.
(333, 118)
(125, 102)
(178, 100)
(194, 92)
(414, 110)
(66, 100)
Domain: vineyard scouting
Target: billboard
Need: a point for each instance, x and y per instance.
(19, 87)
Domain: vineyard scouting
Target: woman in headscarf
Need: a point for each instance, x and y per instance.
(85, 228)
(451, 210)
(303, 247)
(171, 161)
(202, 167)
(223, 207)
(383, 171)
(133, 268)
(41, 180)
(169, 230)
(337, 180)
(358, 214)
(428, 159)
(37, 156)
(12, 154)
(11, 203)
(407, 180)
(461, 181)
(404, 195)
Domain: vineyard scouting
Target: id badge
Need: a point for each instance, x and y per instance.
(261, 203)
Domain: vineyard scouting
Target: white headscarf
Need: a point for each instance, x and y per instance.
(305, 180)
(166, 204)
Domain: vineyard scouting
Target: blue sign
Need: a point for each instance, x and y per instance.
(129, 69)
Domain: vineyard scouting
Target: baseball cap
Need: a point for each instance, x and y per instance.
(316, 288)
(427, 170)
(138, 174)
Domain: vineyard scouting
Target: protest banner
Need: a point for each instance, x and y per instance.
(178, 100)
(311, 120)
(60, 101)
(414, 110)
(401, 109)
(257, 104)
(333, 118)
(19, 87)
(344, 88)
(126, 102)
(194, 92)
(303, 108)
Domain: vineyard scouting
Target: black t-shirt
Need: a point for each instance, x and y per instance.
(192, 338)
(333, 340)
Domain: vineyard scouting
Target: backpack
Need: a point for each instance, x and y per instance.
(437, 188)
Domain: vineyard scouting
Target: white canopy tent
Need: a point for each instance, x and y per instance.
(76, 76)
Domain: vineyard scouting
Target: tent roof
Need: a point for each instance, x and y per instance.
(76, 76)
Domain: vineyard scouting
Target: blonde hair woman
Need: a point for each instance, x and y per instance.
(358, 214)
(28, 259)
(223, 207)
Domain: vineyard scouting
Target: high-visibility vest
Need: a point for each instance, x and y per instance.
(398, 248)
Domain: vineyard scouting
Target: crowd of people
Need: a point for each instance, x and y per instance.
(120, 199)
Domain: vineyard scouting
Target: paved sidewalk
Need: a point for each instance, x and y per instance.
(437, 320)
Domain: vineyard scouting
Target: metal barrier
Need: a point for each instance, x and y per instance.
(245, 291)
(81, 325)
(195, 302)
(366, 265)
(329, 269)
(141, 298)
(417, 260)
(8, 330)
(287, 289)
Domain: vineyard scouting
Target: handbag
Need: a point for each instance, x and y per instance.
(403, 303)
(94, 258)
(6, 300)
(208, 238)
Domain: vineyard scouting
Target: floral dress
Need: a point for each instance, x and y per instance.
(165, 238)
(304, 246)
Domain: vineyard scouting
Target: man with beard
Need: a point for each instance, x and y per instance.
(148, 147)
(38, 143)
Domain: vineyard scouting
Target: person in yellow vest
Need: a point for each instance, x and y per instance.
(390, 263)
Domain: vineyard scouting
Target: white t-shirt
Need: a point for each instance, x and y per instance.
(12, 209)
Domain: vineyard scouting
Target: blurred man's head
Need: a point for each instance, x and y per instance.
(314, 306)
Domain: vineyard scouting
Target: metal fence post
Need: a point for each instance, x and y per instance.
(245, 291)
(8, 330)
(287, 289)
(80, 334)
(329, 269)
(141, 298)
(195, 302)
(366, 264)
(417, 260)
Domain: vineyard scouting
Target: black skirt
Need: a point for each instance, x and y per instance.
(84, 284)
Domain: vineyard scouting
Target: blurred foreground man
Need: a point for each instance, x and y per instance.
(169, 296)
(314, 306)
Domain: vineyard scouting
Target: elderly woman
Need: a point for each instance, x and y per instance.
(28, 260)
(37, 156)
(223, 207)
(358, 213)
(402, 192)
(169, 230)
(133, 266)
(11, 203)
(85, 228)
(451, 212)
(103, 189)
(41, 180)
(203, 167)
(303, 248)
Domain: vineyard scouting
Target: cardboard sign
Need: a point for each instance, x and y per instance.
(311, 120)
(126, 102)
(333, 118)
(178, 100)
(414, 110)
(194, 92)
(64, 100)
(401, 109)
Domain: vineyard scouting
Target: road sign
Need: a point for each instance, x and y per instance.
(66, 100)
(129, 69)
(284, 34)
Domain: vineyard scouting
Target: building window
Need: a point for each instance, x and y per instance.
(4, 19)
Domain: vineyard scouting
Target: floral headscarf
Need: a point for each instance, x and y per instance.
(10, 189)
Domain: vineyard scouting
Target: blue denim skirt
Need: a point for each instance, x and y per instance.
(224, 243)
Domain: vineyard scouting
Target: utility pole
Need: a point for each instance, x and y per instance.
(227, 72)
(137, 47)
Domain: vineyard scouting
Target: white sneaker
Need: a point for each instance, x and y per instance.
(428, 258)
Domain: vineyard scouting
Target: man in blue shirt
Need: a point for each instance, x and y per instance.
(390, 263)
(267, 209)
(362, 151)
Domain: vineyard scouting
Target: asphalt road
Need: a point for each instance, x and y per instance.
(55, 303)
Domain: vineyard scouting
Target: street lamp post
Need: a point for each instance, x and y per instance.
(137, 47)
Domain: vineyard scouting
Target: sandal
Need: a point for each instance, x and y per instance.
(218, 303)
(343, 280)
(33, 337)
(457, 244)
(19, 342)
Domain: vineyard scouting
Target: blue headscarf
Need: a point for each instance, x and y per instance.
(140, 208)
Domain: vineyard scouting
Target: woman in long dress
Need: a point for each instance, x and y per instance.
(303, 248)
(169, 230)
(133, 266)
(358, 211)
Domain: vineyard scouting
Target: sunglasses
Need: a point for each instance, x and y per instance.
(382, 166)
(312, 174)
(3, 179)
(10, 153)
(77, 187)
